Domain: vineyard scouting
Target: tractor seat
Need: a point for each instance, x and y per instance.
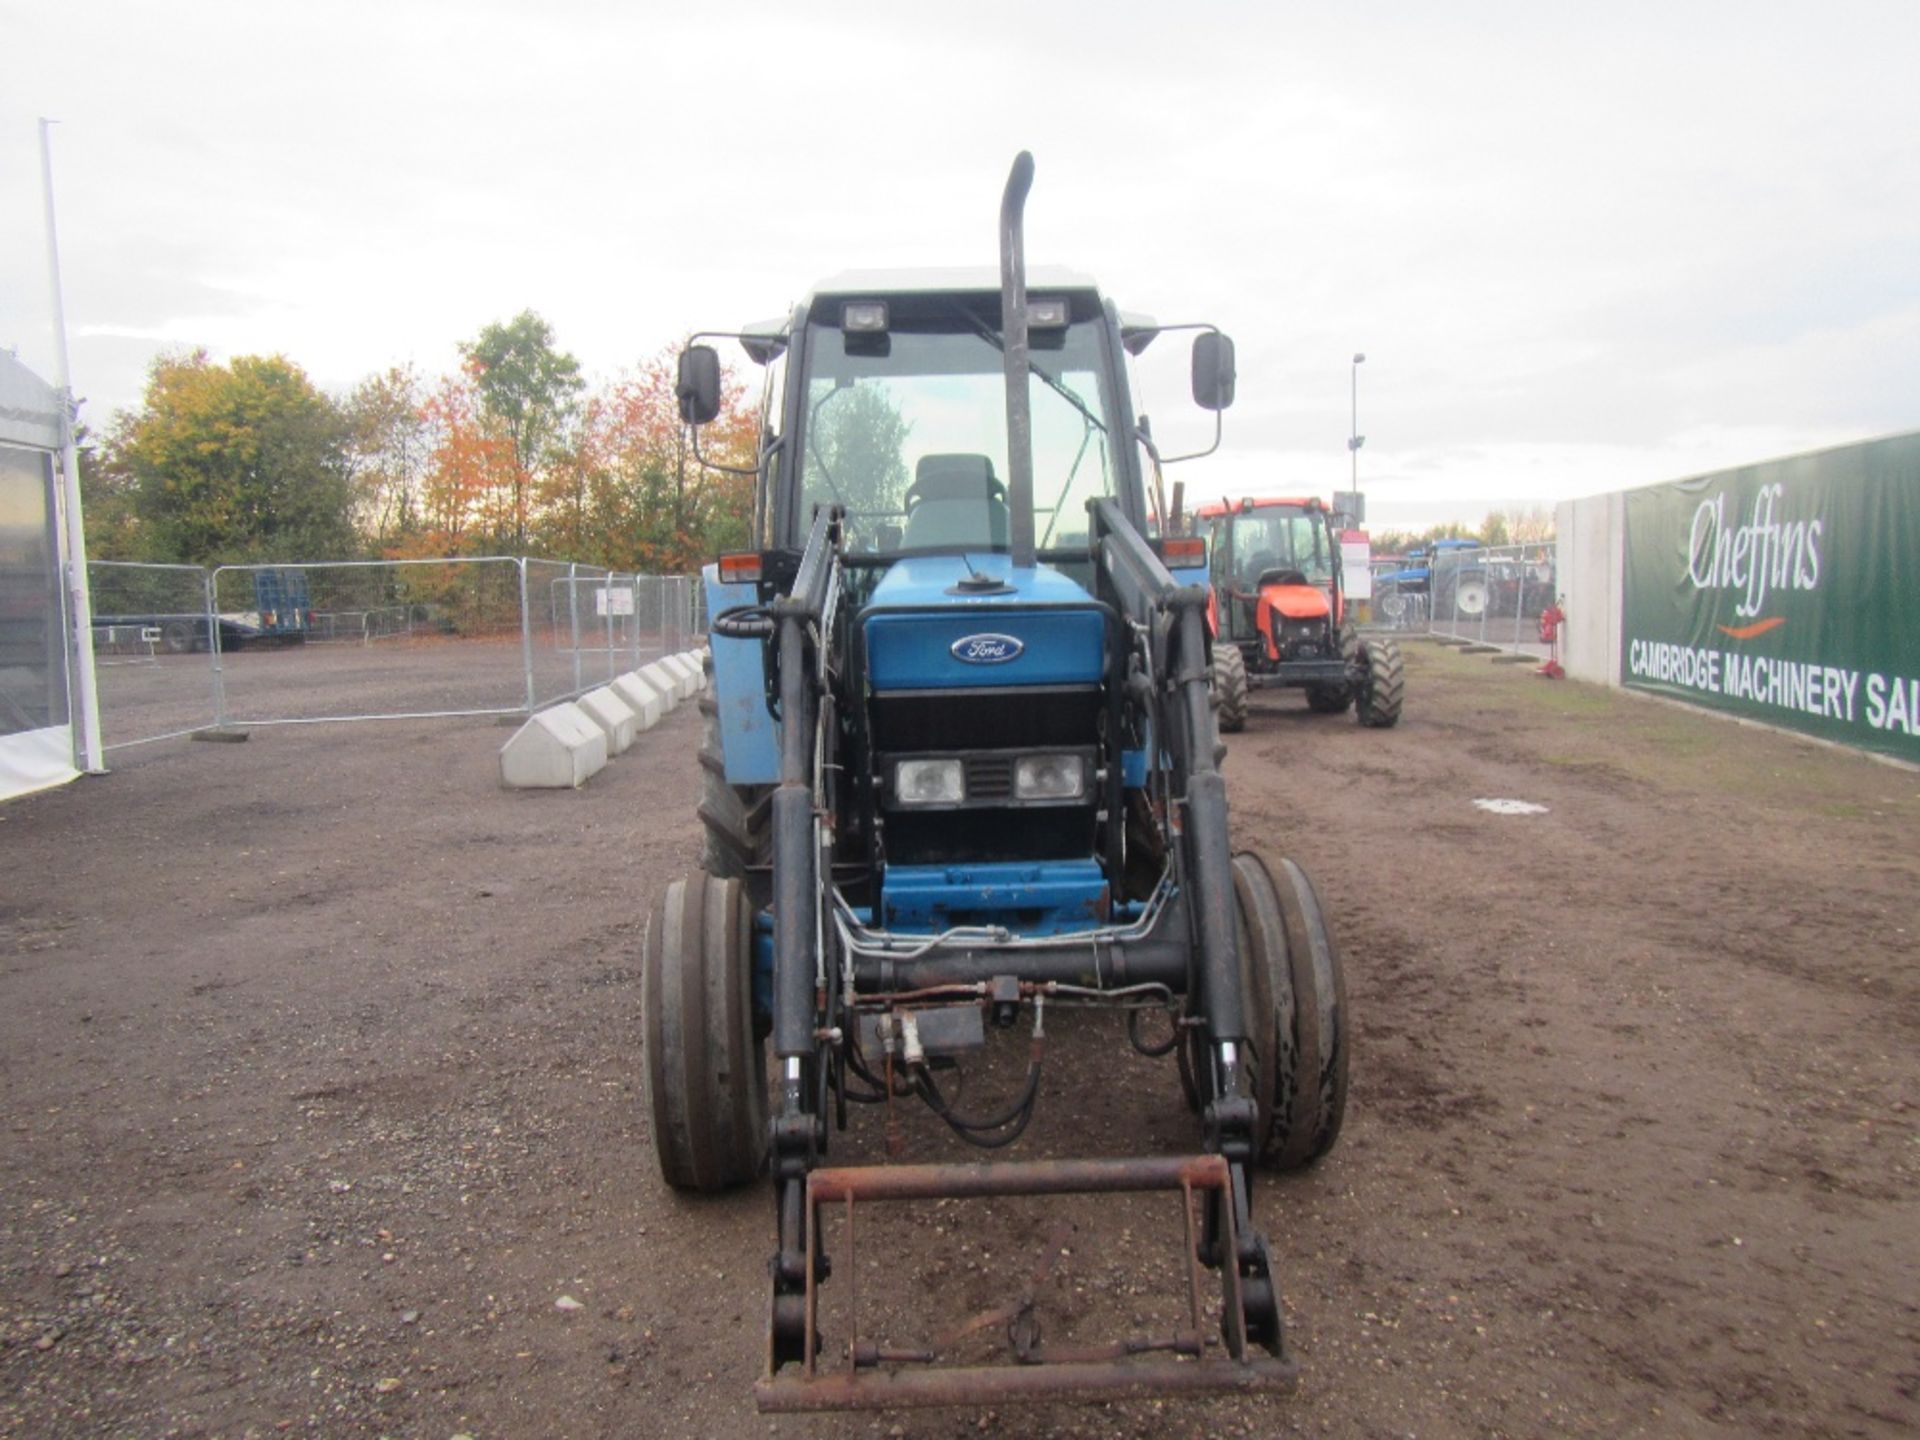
(955, 501)
(1283, 577)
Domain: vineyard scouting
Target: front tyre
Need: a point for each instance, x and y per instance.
(1298, 1013)
(705, 1067)
(1229, 688)
(1383, 683)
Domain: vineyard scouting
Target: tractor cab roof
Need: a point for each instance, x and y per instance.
(765, 339)
(1213, 509)
(945, 280)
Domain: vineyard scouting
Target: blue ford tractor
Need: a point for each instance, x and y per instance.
(961, 771)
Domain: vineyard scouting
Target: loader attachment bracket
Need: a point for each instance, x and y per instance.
(863, 1373)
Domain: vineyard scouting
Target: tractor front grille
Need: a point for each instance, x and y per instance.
(988, 730)
(1031, 717)
(1304, 640)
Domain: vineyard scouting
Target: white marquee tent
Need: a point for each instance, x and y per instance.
(36, 730)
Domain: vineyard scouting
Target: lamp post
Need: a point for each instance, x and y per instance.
(1354, 438)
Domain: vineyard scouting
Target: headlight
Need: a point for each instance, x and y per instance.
(928, 782)
(1049, 777)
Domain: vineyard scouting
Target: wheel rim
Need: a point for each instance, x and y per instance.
(1470, 599)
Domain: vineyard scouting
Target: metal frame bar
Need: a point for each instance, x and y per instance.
(1133, 1368)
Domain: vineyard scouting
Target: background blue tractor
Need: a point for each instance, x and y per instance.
(1441, 580)
(960, 766)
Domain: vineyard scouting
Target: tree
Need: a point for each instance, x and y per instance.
(233, 463)
(467, 486)
(629, 493)
(531, 392)
(389, 441)
(106, 496)
(1533, 526)
(859, 440)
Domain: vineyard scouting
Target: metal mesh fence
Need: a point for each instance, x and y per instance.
(370, 640)
(182, 649)
(152, 656)
(1493, 596)
(1484, 595)
(1399, 600)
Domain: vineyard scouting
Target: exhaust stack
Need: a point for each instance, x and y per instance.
(1013, 332)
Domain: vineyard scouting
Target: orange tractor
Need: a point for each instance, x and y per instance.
(1279, 614)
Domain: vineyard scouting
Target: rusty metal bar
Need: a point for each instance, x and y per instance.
(1013, 1384)
(1033, 1177)
(853, 1293)
(1236, 1304)
(1128, 1369)
(813, 1287)
(1193, 1255)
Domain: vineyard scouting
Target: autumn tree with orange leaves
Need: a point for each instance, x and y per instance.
(632, 495)
(512, 454)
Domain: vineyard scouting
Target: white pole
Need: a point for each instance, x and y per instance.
(79, 594)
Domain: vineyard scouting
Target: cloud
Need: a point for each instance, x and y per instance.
(1573, 243)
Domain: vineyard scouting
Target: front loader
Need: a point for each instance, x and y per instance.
(960, 772)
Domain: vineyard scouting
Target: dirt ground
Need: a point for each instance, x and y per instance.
(322, 1091)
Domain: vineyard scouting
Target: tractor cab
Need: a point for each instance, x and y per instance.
(1275, 572)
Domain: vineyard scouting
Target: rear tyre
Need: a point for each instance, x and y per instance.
(1328, 699)
(1383, 683)
(706, 1075)
(1299, 1008)
(737, 819)
(1229, 688)
(1469, 599)
(177, 637)
(1334, 699)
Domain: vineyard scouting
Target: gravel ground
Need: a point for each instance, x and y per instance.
(322, 1093)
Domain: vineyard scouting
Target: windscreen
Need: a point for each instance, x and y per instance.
(908, 430)
(1281, 539)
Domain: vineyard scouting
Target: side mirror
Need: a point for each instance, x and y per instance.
(1212, 370)
(698, 385)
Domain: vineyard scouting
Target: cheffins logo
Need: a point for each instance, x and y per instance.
(1753, 559)
(987, 649)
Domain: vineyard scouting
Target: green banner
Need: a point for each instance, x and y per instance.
(1787, 591)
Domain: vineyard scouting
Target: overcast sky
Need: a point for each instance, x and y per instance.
(1583, 246)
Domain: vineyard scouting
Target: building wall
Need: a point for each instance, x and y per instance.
(1591, 564)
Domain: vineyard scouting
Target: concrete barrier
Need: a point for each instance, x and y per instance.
(649, 699)
(557, 749)
(687, 662)
(669, 675)
(608, 709)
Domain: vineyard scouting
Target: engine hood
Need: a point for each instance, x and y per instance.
(1297, 602)
(924, 631)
